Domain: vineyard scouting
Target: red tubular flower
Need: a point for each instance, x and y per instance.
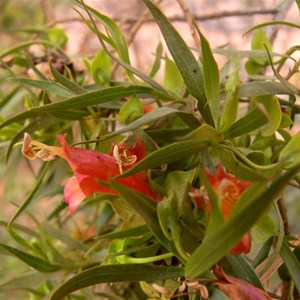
(229, 188)
(237, 289)
(92, 169)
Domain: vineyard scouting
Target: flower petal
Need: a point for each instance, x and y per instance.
(89, 162)
(90, 185)
(73, 194)
(238, 289)
(243, 246)
(27, 148)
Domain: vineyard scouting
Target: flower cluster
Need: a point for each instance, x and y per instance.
(93, 170)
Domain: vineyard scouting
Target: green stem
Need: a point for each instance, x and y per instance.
(246, 160)
(144, 260)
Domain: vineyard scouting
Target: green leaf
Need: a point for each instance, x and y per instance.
(172, 77)
(122, 62)
(157, 61)
(188, 66)
(263, 253)
(27, 44)
(261, 88)
(130, 232)
(260, 42)
(290, 154)
(284, 81)
(272, 23)
(276, 247)
(176, 215)
(63, 236)
(271, 107)
(251, 121)
(71, 85)
(131, 110)
(217, 295)
(113, 30)
(146, 208)
(168, 154)
(154, 116)
(101, 68)
(57, 36)
(45, 85)
(35, 262)
(238, 266)
(216, 217)
(115, 273)
(211, 79)
(84, 100)
(231, 101)
(298, 4)
(263, 229)
(292, 264)
(31, 195)
(252, 205)
(204, 133)
(23, 281)
(244, 169)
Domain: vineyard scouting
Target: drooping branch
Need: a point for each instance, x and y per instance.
(180, 18)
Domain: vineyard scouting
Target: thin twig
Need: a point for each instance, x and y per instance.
(206, 17)
(283, 213)
(190, 20)
(279, 15)
(138, 24)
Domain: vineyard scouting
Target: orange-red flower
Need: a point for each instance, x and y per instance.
(237, 289)
(229, 188)
(92, 169)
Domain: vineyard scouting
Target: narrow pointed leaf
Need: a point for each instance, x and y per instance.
(84, 100)
(168, 154)
(188, 66)
(272, 23)
(25, 45)
(157, 61)
(23, 281)
(66, 82)
(253, 120)
(261, 88)
(273, 110)
(146, 208)
(231, 101)
(115, 273)
(240, 268)
(154, 116)
(35, 262)
(216, 217)
(46, 85)
(292, 264)
(31, 195)
(172, 77)
(290, 154)
(211, 79)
